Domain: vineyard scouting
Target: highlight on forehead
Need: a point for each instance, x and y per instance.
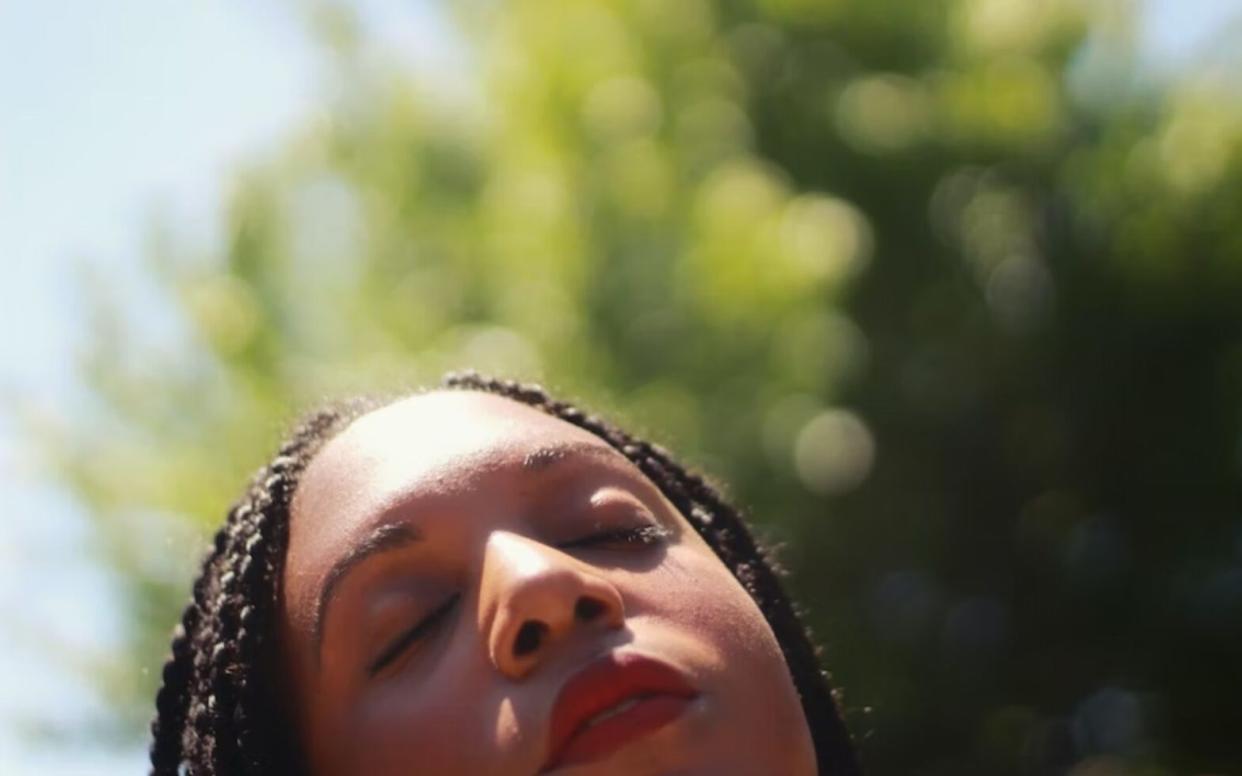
(446, 424)
(438, 416)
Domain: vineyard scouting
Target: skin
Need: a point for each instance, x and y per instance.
(456, 467)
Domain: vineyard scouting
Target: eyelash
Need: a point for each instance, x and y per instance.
(394, 650)
(638, 535)
(644, 535)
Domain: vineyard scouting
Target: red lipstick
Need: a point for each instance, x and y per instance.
(614, 700)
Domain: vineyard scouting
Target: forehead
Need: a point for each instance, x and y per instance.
(427, 444)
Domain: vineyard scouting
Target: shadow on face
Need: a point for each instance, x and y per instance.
(455, 559)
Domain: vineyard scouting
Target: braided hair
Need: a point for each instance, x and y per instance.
(218, 709)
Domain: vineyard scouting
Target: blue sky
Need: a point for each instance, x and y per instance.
(110, 110)
(112, 113)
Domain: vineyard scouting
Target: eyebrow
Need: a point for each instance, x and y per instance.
(393, 536)
(385, 538)
(548, 456)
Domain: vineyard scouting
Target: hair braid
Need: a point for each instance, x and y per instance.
(170, 701)
(216, 712)
(213, 714)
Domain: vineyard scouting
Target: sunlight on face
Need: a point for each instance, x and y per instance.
(473, 586)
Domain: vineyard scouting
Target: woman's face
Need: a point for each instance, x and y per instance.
(475, 587)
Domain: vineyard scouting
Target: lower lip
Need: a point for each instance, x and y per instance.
(604, 738)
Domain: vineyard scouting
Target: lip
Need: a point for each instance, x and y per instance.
(661, 692)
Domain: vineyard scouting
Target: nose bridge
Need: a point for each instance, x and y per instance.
(535, 596)
(517, 557)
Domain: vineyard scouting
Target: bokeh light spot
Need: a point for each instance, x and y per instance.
(834, 452)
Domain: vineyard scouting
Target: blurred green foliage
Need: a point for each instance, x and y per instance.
(947, 293)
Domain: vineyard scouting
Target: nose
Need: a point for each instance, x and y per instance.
(536, 597)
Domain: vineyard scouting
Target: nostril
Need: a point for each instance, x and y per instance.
(588, 609)
(528, 638)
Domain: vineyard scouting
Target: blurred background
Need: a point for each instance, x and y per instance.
(949, 293)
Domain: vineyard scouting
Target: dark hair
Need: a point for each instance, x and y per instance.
(217, 711)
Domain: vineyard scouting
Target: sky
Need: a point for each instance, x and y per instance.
(107, 111)
(114, 114)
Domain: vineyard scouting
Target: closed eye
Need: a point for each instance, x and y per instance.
(409, 637)
(633, 535)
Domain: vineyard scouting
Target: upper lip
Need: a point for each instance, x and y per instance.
(604, 683)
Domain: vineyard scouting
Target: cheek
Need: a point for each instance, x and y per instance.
(426, 724)
(709, 607)
(756, 717)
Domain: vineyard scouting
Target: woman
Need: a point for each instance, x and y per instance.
(483, 580)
